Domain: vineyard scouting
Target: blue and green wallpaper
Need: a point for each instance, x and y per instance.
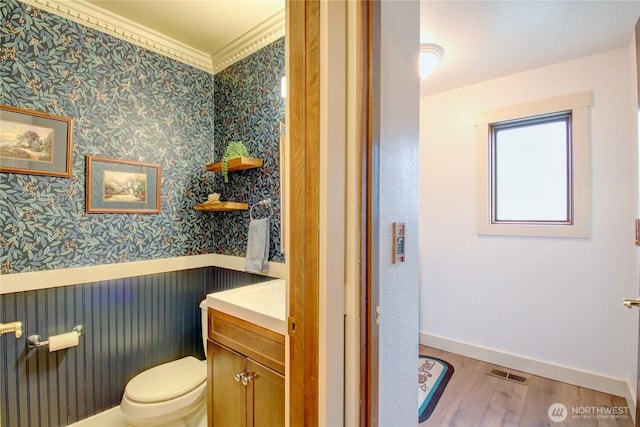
(249, 108)
(130, 103)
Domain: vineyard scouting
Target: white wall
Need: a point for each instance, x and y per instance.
(550, 301)
(633, 102)
(399, 119)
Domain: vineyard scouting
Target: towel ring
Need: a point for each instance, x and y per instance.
(266, 203)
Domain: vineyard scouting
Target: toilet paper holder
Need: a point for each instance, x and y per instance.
(37, 341)
(15, 327)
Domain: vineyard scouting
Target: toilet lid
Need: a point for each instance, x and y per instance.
(167, 381)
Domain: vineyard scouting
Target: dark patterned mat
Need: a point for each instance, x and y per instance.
(433, 376)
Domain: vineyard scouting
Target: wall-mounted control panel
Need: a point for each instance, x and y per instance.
(398, 241)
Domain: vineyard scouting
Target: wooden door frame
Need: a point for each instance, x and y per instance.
(369, 138)
(637, 37)
(303, 128)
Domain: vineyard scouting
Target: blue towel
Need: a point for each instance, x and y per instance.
(257, 260)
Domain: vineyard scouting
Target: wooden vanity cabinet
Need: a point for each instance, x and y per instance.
(246, 373)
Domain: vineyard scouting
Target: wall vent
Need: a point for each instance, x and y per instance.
(520, 379)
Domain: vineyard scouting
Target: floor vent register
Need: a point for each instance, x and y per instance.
(516, 378)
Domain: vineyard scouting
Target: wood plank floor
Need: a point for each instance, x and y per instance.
(474, 399)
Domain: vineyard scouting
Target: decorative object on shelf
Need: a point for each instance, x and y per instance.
(234, 149)
(214, 203)
(35, 143)
(122, 186)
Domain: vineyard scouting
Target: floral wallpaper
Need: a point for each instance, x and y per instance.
(126, 103)
(133, 104)
(249, 108)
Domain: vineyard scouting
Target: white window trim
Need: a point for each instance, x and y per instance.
(578, 104)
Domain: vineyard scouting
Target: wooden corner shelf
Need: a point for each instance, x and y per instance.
(237, 164)
(221, 206)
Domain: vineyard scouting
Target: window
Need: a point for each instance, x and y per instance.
(533, 164)
(531, 170)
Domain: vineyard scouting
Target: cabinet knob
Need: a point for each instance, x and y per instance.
(247, 377)
(244, 377)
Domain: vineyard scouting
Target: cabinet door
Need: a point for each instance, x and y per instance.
(228, 396)
(265, 397)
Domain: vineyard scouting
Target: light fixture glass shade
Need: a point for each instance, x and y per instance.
(430, 55)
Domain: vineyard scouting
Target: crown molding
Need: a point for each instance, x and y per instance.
(99, 19)
(252, 41)
(87, 14)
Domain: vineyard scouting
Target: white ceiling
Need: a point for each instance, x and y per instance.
(489, 39)
(208, 25)
(482, 39)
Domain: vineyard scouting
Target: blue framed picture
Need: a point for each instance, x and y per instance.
(122, 186)
(35, 143)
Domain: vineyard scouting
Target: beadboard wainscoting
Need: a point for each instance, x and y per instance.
(131, 324)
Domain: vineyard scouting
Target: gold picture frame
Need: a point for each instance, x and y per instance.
(122, 186)
(35, 143)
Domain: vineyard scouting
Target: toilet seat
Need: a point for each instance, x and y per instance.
(167, 381)
(184, 379)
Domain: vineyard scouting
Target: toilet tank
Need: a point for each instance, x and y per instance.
(205, 325)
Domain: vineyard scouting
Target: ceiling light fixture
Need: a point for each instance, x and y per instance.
(430, 55)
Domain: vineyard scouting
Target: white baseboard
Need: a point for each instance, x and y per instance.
(541, 368)
(631, 401)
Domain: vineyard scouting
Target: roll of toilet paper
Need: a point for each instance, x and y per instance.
(62, 341)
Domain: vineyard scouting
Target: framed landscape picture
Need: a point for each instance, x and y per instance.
(35, 143)
(122, 186)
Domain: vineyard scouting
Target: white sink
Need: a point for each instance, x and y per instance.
(261, 304)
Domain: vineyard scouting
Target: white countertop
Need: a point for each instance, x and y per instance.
(262, 304)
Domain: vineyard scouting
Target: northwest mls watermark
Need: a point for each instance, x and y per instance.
(558, 412)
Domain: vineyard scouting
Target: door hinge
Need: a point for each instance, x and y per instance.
(377, 315)
(291, 325)
(637, 232)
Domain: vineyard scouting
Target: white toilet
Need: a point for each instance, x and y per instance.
(169, 395)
